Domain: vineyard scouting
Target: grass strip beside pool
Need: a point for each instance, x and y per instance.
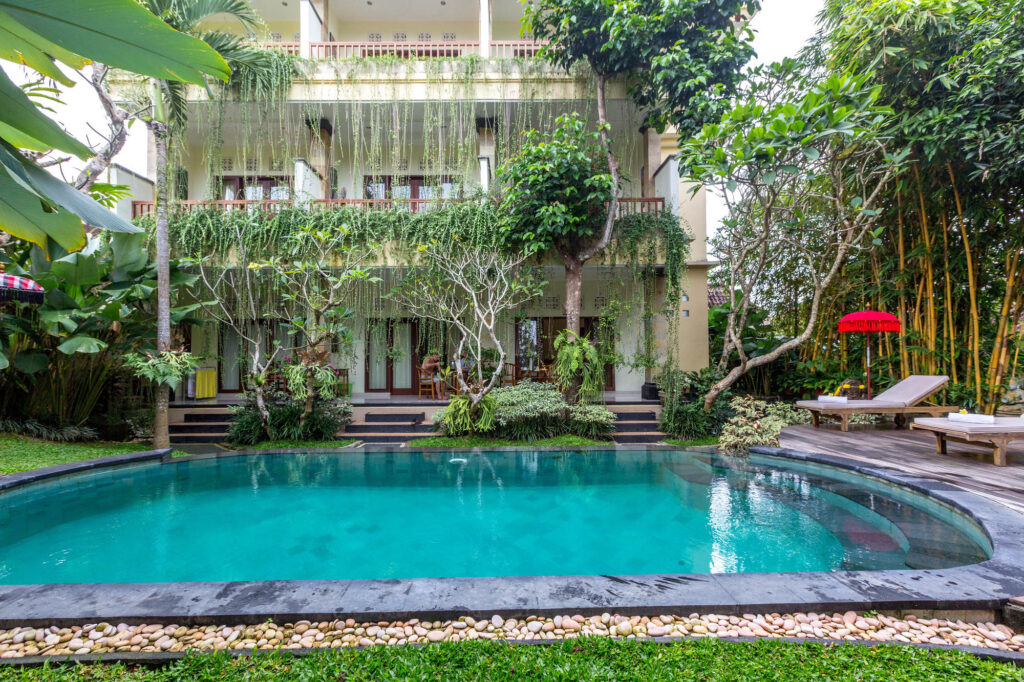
(19, 453)
(485, 442)
(706, 440)
(580, 659)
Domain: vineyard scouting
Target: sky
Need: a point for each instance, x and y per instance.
(781, 29)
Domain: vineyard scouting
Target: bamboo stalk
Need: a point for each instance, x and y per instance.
(950, 333)
(902, 285)
(971, 289)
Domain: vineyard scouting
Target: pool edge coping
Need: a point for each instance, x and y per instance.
(984, 586)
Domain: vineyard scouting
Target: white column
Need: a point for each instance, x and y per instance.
(310, 27)
(485, 28)
(308, 183)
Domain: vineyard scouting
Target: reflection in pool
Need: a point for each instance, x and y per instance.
(503, 513)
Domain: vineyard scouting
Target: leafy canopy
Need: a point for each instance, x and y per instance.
(683, 56)
(557, 187)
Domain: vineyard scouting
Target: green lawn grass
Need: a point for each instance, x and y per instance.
(298, 444)
(580, 659)
(485, 442)
(19, 453)
(706, 440)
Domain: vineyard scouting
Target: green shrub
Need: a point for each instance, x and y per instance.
(578, 366)
(683, 414)
(591, 421)
(66, 433)
(528, 412)
(459, 418)
(757, 422)
(328, 417)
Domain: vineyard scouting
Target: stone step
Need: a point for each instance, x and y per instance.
(635, 416)
(207, 416)
(387, 428)
(199, 427)
(635, 427)
(198, 438)
(401, 417)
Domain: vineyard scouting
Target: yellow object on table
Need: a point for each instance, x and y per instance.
(206, 383)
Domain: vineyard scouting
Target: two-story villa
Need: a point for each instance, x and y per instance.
(405, 106)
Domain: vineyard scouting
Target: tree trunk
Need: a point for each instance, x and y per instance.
(573, 294)
(261, 406)
(161, 437)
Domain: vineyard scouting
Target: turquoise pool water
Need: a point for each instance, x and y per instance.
(415, 515)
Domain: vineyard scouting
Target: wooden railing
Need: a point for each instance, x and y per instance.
(633, 205)
(627, 205)
(405, 50)
(287, 48)
(508, 49)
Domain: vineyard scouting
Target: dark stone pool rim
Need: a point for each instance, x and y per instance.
(983, 586)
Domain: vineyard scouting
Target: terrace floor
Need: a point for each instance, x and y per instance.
(967, 466)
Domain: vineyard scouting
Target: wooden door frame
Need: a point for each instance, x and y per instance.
(609, 369)
(390, 364)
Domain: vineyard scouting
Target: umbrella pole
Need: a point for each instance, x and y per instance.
(869, 365)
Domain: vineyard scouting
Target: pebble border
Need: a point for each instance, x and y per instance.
(106, 638)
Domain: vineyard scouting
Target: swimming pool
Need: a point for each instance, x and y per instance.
(409, 514)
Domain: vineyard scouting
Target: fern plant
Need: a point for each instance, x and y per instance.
(578, 371)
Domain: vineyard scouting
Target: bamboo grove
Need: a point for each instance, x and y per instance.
(950, 261)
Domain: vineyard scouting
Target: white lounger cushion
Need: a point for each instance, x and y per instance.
(1002, 425)
(849, 405)
(913, 389)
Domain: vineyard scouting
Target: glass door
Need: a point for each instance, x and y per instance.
(391, 361)
(403, 363)
(377, 357)
(231, 351)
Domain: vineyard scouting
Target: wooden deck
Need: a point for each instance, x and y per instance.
(967, 466)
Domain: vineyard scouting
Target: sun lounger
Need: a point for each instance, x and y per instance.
(902, 399)
(996, 435)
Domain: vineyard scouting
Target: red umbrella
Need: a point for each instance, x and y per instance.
(14, 288)
(867, 321)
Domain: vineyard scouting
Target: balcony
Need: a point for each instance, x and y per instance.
(142, 209)
(337, 50)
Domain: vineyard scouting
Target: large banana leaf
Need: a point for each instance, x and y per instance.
(25, 126)
(28, 178)
(119, 33)
(22, 214)
(20, 45)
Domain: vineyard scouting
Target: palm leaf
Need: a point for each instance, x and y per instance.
(120, 33)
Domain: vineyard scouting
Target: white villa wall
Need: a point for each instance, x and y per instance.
(141, 188)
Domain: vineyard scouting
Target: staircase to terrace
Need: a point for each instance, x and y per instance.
(636, 422)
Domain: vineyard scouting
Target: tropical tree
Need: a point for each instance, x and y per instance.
(474, 288)
(169, 111)
(319, 271)
(34, 205)
(682, 57)
(802, 164)
(59, 358)
(952, 263)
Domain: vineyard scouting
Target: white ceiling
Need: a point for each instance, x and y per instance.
(359, 11)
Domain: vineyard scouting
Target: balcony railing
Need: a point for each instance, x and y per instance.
(500, 49)
(508, 49)
(288, 48)
(140, 209)
(403, 50)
